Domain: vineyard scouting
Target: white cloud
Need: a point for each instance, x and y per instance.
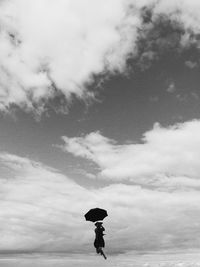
(60, 42)
(42, 210)
(63, 43)
(163, 154)
(39, 207)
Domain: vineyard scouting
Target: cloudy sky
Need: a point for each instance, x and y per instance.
(99, 106)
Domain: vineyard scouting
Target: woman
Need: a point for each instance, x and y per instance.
(99, 241)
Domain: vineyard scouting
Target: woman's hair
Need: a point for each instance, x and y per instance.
(98, 223)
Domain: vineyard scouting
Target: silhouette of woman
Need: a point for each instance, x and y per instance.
(99, 242)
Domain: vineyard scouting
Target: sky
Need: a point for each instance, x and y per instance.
(99, 107)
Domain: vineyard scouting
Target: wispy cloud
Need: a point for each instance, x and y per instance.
(190, 64)
(171, 88)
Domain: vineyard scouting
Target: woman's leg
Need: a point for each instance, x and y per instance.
(102, 253)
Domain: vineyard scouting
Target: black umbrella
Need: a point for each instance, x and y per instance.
(96, 214)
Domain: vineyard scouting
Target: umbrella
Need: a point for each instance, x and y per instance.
(96, 214)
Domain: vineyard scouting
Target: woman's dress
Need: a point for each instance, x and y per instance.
(99, 241)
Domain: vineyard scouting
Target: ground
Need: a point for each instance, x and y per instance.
(61, 260)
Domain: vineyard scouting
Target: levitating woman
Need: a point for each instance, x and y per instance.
(99, 242)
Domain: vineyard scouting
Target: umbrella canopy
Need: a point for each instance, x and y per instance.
(96, 214)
